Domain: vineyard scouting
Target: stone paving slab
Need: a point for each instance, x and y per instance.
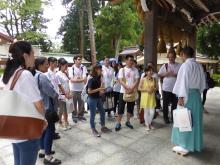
(131, 147)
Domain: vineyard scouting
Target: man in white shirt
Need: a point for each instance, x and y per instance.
(78, 79)
(168, 73)
(129, 78)
(108, 78)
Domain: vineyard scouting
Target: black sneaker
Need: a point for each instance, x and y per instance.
(96, 133)
(118, 127)
(75, 120)
(43, 155)
(56, 136)
(52, 161)
(128, 124)
(105, 130)
(82, 118)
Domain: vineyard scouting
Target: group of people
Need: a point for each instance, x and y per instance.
(52, 83)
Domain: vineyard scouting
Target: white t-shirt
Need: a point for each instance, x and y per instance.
(169, 82)
(78, 72)
(130, 74)
(117, 85)
(108, 76)
(51, 75)
(64, 80)
(26, 86)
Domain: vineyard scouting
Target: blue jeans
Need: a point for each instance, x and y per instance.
(25, 153)
(93, 104)
(46, 140)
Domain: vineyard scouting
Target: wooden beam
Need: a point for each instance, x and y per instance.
(201, 5)
(150, 35)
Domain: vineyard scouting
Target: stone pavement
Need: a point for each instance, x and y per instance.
(132, 147)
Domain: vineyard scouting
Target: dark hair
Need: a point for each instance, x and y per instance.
(40, 61)
(188, 51)
(52, 60)
(106, 58)
(147, 69)
(171, 51)
(129, 56)
(17, 51)
(77, 56)
(135, 61)
(94, 70)
(62, 62)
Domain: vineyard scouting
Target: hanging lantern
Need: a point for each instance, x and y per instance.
(179, 47)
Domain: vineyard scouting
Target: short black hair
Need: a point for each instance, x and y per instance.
(189, 52)
(77, 56)
(52, 60)
(129, 56)
(39, 61)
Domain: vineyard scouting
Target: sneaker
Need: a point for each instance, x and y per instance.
(82, 118)
(96, 133)
(43, 155)
(105, 130)
(75, 120)
(52, 161)
(152, 127)
(128, 124)
(147, 128)
(118, 127)
(56, 136)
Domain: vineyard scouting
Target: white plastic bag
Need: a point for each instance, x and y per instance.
(69, 105)
(182, 119)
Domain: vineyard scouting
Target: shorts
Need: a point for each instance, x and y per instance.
(121, 106)
(62, 106)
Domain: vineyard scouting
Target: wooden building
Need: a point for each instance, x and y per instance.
(172, 21)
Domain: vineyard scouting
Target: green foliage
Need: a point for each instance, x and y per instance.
(1, 71)
(70, 27)
(216, 78)
(119, 23)
(208, 40)
(24, 19)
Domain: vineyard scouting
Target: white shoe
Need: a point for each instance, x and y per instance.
(180, 150)
(147, 128)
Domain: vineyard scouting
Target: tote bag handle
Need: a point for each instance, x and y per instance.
(16, 77)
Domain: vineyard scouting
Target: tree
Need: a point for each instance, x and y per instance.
(23, 19)
(71, 30)
(208, 40)
(117, 26)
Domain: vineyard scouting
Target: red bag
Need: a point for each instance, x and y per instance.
(141, 115)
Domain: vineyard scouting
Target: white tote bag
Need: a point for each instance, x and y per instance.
(182, 119)
(69, 105)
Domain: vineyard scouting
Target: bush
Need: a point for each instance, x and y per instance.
(216, 78)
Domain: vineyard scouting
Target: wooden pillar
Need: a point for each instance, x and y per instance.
(192, 39)
(150, 35)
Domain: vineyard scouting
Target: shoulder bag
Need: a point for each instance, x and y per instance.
(19, 119)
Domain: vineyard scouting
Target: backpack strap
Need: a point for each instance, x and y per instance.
(16, 77)
(166, 66)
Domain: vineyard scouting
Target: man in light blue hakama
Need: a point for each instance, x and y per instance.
(188, 87)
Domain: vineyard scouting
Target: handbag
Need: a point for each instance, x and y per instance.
(182, 119)
(50, 115)
(19, 119)
(128, 97)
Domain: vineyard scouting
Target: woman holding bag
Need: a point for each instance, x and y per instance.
(22, 58)
(64, 80)
(48, 94)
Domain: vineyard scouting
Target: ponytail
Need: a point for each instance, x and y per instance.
(16, 60)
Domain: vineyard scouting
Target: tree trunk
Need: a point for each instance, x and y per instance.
(81, 18)
(91, 32)
(117, 46)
